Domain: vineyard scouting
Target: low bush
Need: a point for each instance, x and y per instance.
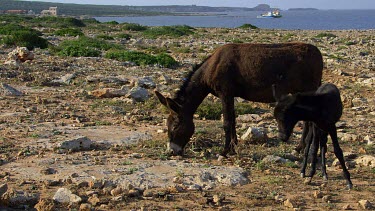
(141, 58)
(172, 31)
(105, 37)
(133, 27)
(324, 34)
(58, 22)
(248, 26)
(124, 36)
(11, 28)
(27, 39)
(83, 46)
(69, 32)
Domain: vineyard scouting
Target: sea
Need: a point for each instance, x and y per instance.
(291, 19)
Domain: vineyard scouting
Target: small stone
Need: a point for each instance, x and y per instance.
(134, 193)
(220, 158)
(289, 203)
(218, 199)
(318, 194)
(94, 200)
(279, 198)
(45, 205)
(307, 181)
(117, 191)
(82, 184)
(48, 171)
(64, 195)
(365, 204)
(3, 189)
(85, 207)
(327, 198)
(346, 207)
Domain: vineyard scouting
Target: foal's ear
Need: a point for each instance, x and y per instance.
(161, 98)
(173, 105)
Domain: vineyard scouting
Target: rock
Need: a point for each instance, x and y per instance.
(94, 200)
(347, 207)
(365, 204)
(64, 195)
(18, 55)
(48, 171)
(45, 205)
(327, 198)
(138, 94)
(289, 203)
(274, 159)
(3, 189)
(218, 199)
(279, 198)
(368, 140)
(96, 184)
(76, 144)
(255, 135)
(318, 194)
(85, 207)
(249, 118)
(64, 80)
(134, 193)
(6, 90)
(165, 79)
(109, 92)
(145, 82)
(366, 160)
(19, 199)
(117, 191)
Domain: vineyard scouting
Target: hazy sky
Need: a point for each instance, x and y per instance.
(283, 4)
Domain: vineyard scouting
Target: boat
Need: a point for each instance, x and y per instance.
(271, 14)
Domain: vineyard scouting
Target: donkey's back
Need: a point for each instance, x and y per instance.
(249, 70)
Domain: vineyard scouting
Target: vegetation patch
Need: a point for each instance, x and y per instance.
(133, 27)
(83, 46)
(327, 35)
(58, 22)
(248, 26)
(73, 32)
(27, 39)
(171, 31)
(213, 110)
(141, 58)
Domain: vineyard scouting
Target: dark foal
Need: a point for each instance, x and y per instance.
(323, 108)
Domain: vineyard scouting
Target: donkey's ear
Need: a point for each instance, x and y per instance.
(274, 92)
(173, 105)
(161, 98)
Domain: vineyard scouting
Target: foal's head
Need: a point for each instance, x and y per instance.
(180, 126)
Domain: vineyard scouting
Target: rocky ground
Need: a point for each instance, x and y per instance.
(88, 133)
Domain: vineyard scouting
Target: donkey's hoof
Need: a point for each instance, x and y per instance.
(325, 178)
(307, 181)
(350, 186)
(302, 175)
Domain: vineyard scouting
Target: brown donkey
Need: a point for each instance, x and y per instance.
(241, 70)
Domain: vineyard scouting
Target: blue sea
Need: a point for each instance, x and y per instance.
(311, 19)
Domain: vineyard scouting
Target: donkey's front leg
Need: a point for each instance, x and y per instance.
(229, 125)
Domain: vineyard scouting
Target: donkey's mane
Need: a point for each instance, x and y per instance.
(179, 97)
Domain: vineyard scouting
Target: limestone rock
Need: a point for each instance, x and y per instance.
(19, 55)
(365, 204)
(45, 205)
(145, 82)
(76, 144)
(255, 135)
(3, 189)
(109, 92)
(139, 94)
(274, 159)
(6, 90)
(366, 160)
(18, 199)
(64, 195)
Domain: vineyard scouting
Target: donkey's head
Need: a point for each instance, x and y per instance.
(180, 126)
(285, 114)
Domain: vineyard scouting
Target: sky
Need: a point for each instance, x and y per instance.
(282, 4)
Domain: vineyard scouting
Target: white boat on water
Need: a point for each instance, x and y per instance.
(271, 14)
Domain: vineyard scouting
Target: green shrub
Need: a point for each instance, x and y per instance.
(69, 32)
(105, 37)
(248, 26)
(124, 36)
(141, 58)
(25, 39)
(58, 22)
(83, 46)
(112, 23)
(324, 34)
(133, 27)
(172, 31)
(8, 29)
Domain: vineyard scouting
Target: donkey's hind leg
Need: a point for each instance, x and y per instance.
(302, 144)
(314, 149)
(323, 150)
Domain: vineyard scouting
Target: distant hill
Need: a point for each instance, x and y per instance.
(117, 10)
(302, 9)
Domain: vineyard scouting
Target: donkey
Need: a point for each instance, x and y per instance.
(240, 70)
(322, 108)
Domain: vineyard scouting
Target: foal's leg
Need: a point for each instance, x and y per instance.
(302, 144)
(323, 150)
(315, 145)
(229, 125)
(339, 155)
(307, 140)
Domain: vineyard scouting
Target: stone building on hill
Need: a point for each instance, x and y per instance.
(52, 11)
